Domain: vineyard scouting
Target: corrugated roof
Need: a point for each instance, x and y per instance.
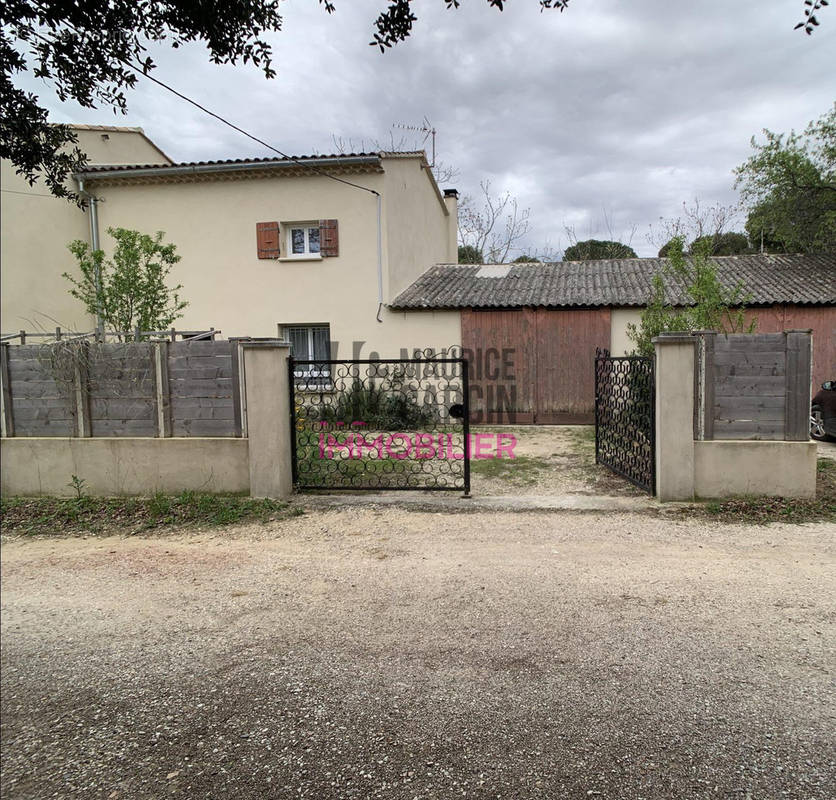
(802, 279)
(336, 158)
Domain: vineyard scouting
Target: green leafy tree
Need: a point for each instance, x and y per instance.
(789, 186)
(722, 244)
(526, 259)
(712, 306)
(592, 249)
(129, 290)
(469, 254)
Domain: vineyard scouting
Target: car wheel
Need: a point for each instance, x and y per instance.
(817, 425)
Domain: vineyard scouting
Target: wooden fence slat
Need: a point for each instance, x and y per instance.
(6, 415)
(710, 383)
(81, 391)
(799, 369)
(163, 394)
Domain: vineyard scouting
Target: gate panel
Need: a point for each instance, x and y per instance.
(625, 417)
(382, 424)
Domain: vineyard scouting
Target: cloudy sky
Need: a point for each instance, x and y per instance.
(602, 118)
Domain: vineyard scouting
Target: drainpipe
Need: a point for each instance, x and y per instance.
(94, 241)
(379, 258)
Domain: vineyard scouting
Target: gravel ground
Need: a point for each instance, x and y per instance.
(378, 653)
(553, 460)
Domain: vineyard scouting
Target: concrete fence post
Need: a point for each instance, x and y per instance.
(268, 417)
(675, 416)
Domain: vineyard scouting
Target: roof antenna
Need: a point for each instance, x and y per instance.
(427, 128)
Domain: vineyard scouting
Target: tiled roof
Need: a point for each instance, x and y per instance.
(336, 158)
(802, 279)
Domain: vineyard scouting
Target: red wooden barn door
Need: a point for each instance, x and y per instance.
(566, 342)
(501, 348)
(551, 354)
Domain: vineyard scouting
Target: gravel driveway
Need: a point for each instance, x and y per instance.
(380, 653)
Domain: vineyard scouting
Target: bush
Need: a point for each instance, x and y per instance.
(392, 407)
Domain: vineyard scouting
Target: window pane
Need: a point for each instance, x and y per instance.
(313, 240)
(297, 236)
(321, 344)
(298, 338)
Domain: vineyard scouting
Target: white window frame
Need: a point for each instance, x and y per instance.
(310, 373)
(289, 227)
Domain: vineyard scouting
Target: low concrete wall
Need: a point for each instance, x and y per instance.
(780, 469)
(123, 466)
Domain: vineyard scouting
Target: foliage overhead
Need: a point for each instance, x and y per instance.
(713, 306)
(128, 291)
(592, 249)
(93, 51)
(468, 254)
(789, 185)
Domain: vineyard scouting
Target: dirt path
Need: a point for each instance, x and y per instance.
(379, 653)
(548, 460)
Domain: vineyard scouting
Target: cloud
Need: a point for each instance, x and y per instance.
(607, 111)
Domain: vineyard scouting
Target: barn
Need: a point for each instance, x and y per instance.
(531, 330)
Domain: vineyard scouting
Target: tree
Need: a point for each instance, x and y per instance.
(722, 244)
(128, 291)
(696, 221)
(493, 229)
(592, 249)
(468, 254)
(789, 184)
(526, 259)
(712, 305)
(93, 51)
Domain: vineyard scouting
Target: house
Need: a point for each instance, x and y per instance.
(532, 330)
(309, 248)
(353, 256)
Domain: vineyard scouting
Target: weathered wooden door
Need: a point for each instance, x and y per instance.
(500, 346)
(533, 365)
(566, 343)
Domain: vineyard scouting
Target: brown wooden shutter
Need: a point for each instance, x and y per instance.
(329, 237)
(267, 237)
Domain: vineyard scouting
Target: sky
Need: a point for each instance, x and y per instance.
(601, 119)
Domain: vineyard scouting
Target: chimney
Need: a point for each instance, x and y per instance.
(451, 200)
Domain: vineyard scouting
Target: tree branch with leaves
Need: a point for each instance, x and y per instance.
(129, 290)
(708, 304)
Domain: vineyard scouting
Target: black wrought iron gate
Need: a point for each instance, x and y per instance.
(625, 417)
(382, 424)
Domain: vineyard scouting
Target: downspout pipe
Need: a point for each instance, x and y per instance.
(379, 256)
(94, 241)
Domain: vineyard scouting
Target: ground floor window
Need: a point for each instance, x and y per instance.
(310, 342)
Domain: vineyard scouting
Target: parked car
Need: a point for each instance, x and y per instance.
(823, 412)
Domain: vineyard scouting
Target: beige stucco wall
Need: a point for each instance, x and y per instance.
(36, 229)
(781, 469)
(230, 288)
(123, 466)
(111, 145)
(620, 318)
(418, 223)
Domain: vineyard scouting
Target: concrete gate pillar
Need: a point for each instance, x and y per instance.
(675, 416)
(267, 391)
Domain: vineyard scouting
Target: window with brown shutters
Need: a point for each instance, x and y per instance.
(267, 238)
(329, 237)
